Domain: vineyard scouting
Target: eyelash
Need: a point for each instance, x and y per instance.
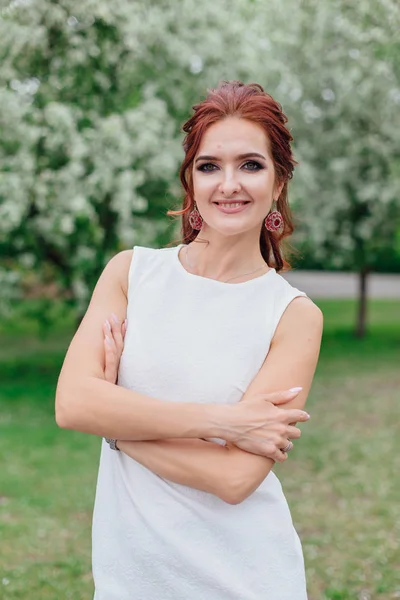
(253, 162)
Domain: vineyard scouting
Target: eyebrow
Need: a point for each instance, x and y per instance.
(239, 156)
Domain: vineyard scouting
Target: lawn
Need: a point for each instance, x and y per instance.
(341, 481)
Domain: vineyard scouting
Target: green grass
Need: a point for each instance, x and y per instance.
(341, 481)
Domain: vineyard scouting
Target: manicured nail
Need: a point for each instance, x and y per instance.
(115, 318)
(108, 324)
(108, 340)
(296, 389)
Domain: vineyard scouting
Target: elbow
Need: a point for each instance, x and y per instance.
(61, 419)
(233, 500)
(233, 497)
(64, 412)
(234, 492)
(61, 413)
(73, 404)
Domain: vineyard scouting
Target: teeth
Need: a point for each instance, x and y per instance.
(232, 205)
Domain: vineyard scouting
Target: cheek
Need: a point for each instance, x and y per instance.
(202, 185)
(264, 185)
(257, 186)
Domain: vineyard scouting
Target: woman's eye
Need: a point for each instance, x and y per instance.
(253, 165)
(207, 167)
(250, 165)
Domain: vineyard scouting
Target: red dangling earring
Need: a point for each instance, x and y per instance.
(195, 220)
(274, 221)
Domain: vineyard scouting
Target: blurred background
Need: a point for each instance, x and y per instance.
(92, 98)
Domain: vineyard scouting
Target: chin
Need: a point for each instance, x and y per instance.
(230, 230)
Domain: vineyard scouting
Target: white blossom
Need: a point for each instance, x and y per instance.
(91, 137)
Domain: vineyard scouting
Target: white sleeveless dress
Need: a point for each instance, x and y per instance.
(193, 339)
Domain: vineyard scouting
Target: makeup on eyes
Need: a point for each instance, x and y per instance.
(253, 162)
(239, 156)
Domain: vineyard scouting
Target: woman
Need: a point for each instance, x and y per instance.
(217, 362)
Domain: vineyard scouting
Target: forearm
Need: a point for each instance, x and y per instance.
(95, 406)
(225, 471)
(197, 464)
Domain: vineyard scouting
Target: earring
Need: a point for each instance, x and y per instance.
(195, 220)
(274, 221)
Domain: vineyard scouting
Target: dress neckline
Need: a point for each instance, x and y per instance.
(216, 281)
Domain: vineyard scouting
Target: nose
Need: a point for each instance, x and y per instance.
(229, 185)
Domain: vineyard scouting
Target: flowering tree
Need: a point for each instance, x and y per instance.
(346, 114)
(81, 145)
(92, 95)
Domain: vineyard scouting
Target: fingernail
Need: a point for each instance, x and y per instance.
(115, 318)
(108, 324)
(108, 340)
(296, 389)
(126, 322)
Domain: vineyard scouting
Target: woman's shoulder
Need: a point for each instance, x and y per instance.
(296, 302)
(120, 264)
(283, 286)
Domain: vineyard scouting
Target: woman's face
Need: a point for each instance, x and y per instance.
(233, 166)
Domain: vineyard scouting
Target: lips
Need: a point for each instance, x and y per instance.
(223, 202)
(231, 207)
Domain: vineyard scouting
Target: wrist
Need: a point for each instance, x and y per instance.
(223, 422)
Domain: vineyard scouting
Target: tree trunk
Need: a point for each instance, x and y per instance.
(362, 304)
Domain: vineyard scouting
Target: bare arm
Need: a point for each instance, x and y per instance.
(86, 402)
(183, 461)
(229, 472)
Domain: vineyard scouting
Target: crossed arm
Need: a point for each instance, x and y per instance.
(227, 471)
(83, 399)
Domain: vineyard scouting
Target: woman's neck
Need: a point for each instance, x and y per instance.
(225, 259)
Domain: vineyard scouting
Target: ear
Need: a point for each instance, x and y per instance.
(278, 190)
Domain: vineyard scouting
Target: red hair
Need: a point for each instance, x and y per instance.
(234, 98)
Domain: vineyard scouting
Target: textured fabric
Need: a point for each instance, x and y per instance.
(193, 339)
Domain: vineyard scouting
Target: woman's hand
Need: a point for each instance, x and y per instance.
(114, 334)
(261, 427)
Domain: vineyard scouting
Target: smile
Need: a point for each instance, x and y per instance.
(231, 207)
